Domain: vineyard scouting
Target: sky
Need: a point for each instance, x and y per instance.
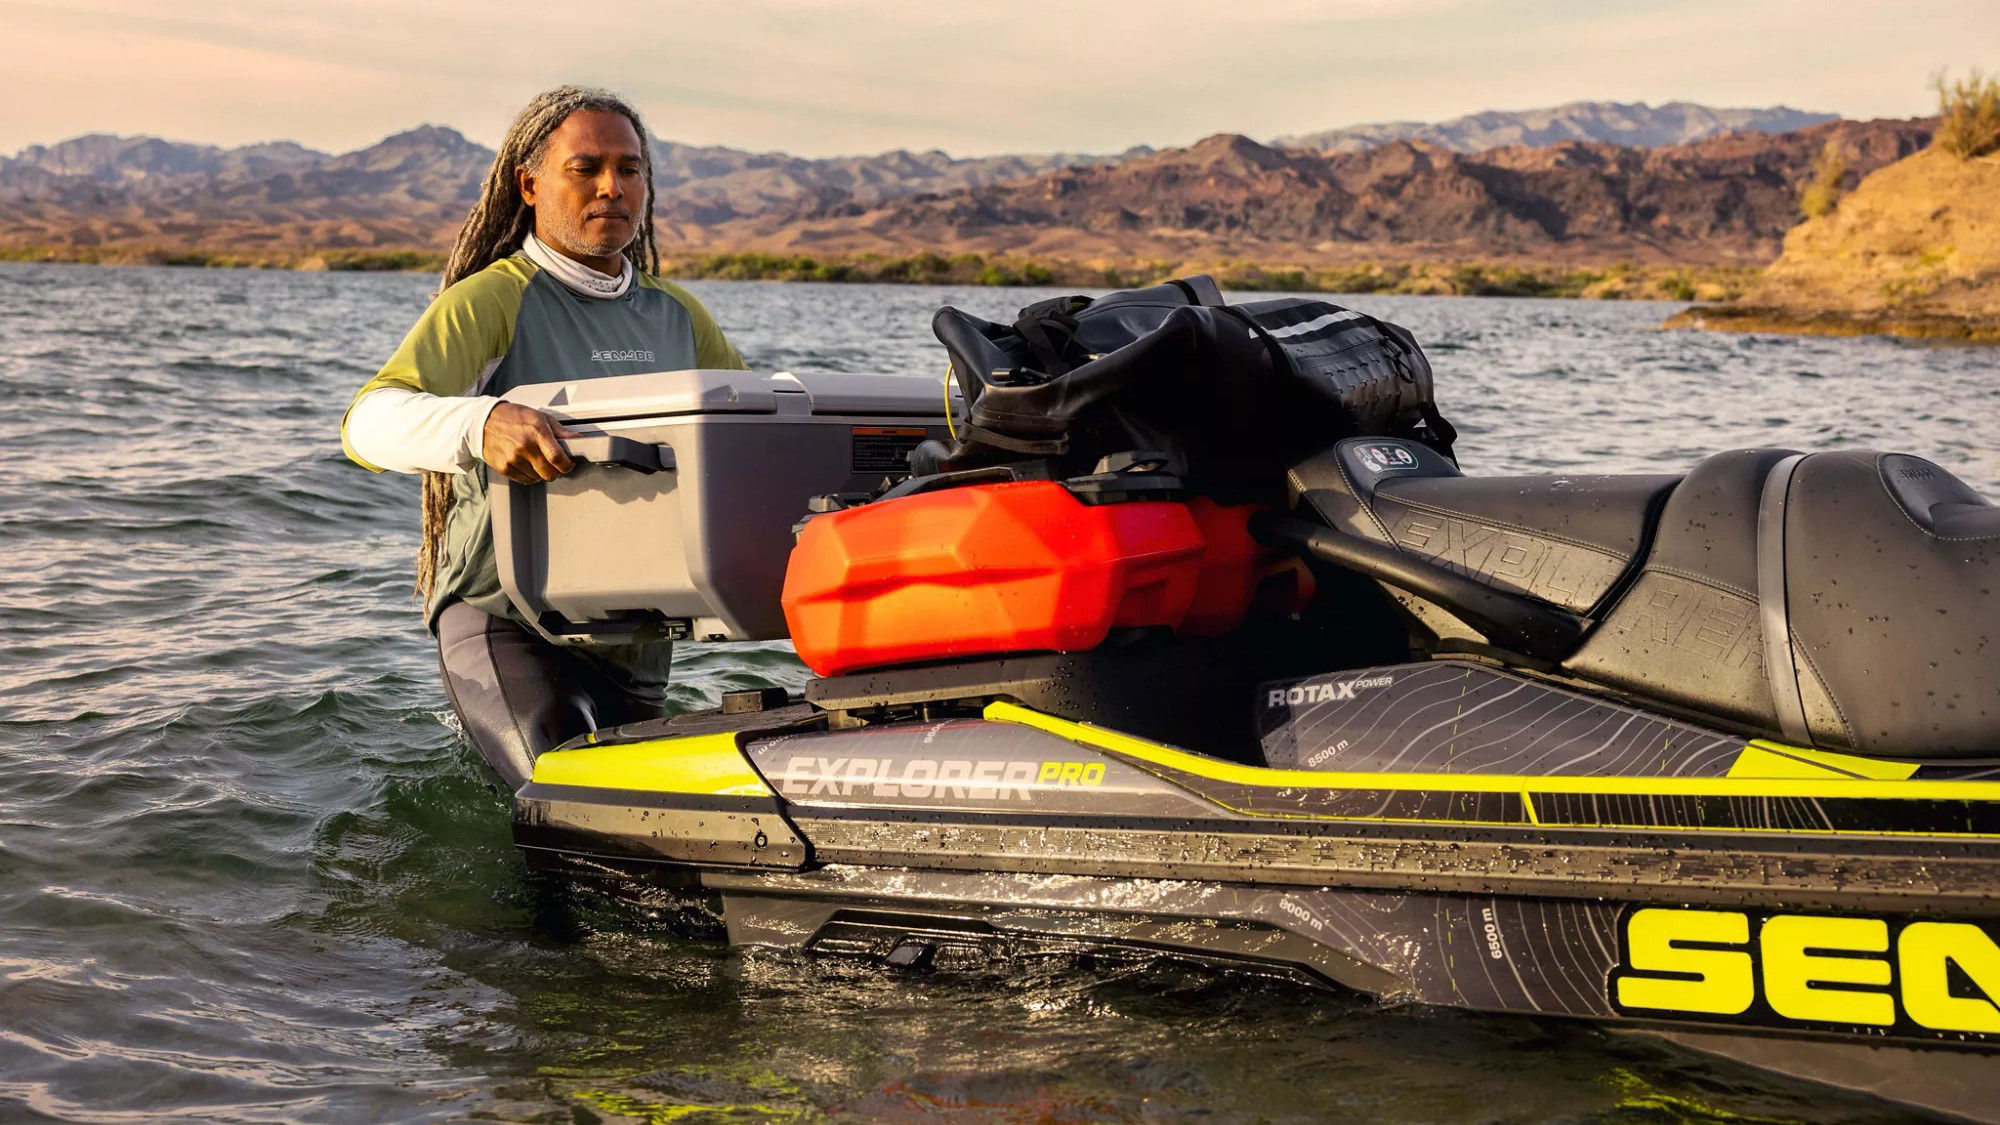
(970, 77)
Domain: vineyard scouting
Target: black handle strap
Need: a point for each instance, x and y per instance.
(623, 452)
(1031, 447)
(1508, 620)
(1049, 329)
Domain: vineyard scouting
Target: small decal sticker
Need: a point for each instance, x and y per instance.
(885, 449)
(1383, 457)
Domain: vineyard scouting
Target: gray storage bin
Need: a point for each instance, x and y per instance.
(689, 535)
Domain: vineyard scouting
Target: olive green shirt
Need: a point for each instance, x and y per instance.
(513, 324)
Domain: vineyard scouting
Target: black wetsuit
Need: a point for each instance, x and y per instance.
(518, 695)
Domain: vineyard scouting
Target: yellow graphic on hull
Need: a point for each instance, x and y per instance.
(1865, 974)
(1766, 759)
(703, 764)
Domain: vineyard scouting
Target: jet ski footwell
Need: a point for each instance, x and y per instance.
(1819, 914)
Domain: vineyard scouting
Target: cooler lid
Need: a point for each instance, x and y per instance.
(839, 392)
(654, 393)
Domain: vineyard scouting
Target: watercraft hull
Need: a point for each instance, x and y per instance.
(1803, 921)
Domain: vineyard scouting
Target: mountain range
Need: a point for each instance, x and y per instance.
(1726, 200)
(1585, 181)
(1631, 124)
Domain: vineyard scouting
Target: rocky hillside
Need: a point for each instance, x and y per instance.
(1630, 124)
(410, 190)
(1913, 250)
(1723, 200)
(710, 184)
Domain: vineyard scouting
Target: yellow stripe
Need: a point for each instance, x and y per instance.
(1261, 777)
(709, 765)
(1775, 759)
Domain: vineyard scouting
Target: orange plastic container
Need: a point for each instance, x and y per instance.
(1238, 574)
(1022, 567)
(979, 570)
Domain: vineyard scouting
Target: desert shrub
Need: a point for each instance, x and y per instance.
(1259, 279)
(835, 271)
(1006, 272)
(383, 260)
(1822, 191)
(1480, 280)
(1366, 278)
(754, 265)
(1968, 115)
(928, 265)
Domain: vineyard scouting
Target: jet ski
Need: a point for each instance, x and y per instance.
(1712, 756)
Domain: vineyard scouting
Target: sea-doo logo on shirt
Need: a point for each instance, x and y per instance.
(620, 355)
(1335, 692)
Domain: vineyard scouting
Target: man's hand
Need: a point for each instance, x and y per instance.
(523, 444)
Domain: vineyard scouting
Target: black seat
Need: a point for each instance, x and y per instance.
(1564, 539)
(1687, 630)
(1846, 600)
(1892, 580)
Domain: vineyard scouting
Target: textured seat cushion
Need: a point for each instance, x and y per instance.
(1565, 539)
(1892, 577)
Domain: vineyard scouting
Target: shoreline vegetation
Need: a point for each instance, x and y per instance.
(1618, 281)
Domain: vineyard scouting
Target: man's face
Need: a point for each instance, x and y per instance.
(589, 187)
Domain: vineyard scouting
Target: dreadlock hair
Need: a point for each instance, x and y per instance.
(496, 227)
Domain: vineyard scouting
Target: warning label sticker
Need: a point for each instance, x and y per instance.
(885, 449)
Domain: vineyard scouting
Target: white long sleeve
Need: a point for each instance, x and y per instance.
(409, 431)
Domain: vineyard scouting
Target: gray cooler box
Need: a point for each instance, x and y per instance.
(679, 521)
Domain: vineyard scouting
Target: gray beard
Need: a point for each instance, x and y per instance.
(570, 237)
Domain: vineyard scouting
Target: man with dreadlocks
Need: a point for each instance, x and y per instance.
(552, 279)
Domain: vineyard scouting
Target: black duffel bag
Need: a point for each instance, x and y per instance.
(1225, 390)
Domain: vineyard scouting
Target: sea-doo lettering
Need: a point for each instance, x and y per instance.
(1811, 969)
(808, 776)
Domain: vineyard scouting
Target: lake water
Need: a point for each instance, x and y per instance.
(248, 872)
